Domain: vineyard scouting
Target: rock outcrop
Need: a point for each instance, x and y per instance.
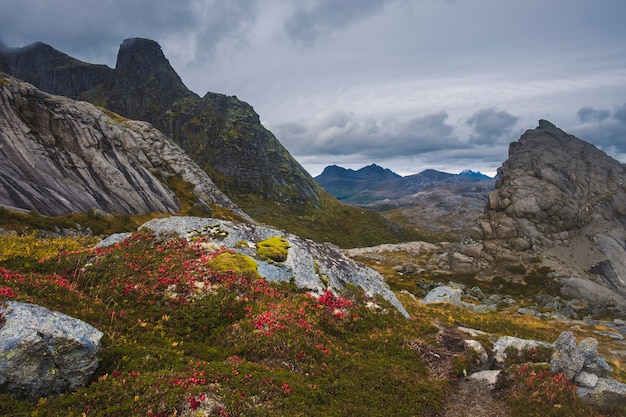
(60, 156)
(43, 352)
(561, 197)
(309, 265)
(553, 183)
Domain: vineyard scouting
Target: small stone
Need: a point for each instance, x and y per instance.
(489, 376)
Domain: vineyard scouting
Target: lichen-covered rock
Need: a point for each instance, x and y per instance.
(566, 358)
(593, 363)
(43, 352)
(606, 393)
(309, 264)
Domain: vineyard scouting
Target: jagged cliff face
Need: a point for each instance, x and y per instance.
(60, 155)
(221, 133)
(564, 199)
(552, 183)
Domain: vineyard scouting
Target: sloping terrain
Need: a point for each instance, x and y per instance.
(61, 156)
(561, 197)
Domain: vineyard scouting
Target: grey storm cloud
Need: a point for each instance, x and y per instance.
(491, 125)
(620, 114)
(589, 114)
(341, 133)
(373, 80)
(313, 20)
(197, 25)
(603, 128)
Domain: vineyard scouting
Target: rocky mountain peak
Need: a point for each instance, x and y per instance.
(557, 194)
(554, 182)
(60, 156)
(140, 52)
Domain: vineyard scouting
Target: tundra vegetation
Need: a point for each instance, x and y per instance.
(191, 329)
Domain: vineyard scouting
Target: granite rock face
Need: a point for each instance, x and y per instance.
(43, 352)
(561, 196)
(60, 156)
(553, 183)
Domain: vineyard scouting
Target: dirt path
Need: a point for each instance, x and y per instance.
(473, 398)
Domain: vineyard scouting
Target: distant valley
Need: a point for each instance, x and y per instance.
(431, 200)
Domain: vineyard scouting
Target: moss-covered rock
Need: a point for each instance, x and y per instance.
(273, 249)
(236, 263)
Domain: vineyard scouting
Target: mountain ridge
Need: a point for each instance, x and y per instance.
(372, 185)
(213, 129)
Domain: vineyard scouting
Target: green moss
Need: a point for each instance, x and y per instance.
(273, 249)
(234, 262)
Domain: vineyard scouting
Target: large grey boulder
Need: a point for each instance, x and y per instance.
(606, 393)
(43, 352)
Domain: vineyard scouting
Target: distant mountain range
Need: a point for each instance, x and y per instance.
(374, 185)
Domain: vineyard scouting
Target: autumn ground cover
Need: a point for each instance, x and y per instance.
(183, 337)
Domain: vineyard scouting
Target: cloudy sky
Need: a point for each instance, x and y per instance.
(405, 84)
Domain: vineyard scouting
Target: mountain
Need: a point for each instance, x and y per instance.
(474, 174)
(431, 200)
(373, 185)
(51, 70)
(60, 156)
(357, 187)
(222, 134)
(563, 198)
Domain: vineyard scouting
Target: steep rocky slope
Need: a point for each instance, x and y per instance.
(51, 70)
(60, 156)
(221, 133)
(564, 199)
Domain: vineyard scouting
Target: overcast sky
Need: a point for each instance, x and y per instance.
(405, 84)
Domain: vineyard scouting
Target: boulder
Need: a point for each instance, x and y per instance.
(310, 265)
(490, 377)
(596, 295)
(593, 363)
(607, 393)
(481, 353)
(43, 352)
(444, 294)
(506, 345)
(566, 358)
